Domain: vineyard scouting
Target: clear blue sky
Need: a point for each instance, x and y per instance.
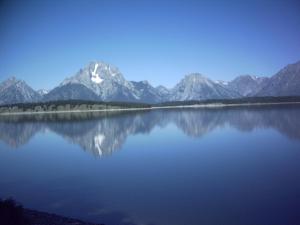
(42, 42)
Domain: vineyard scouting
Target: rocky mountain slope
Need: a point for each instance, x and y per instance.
(71, 91)
(284, 83)
(197, 87)
(247, 85)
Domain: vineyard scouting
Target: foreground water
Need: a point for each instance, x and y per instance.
(161, 167)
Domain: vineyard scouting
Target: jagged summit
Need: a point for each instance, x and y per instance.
(10, 81)
(95, 74)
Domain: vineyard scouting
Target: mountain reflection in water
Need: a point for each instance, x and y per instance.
(102, 133)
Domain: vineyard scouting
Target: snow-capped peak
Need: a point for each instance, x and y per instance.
(95, 76)
(42, 91)
(254, 77)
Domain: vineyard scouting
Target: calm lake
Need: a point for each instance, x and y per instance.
(222, 166)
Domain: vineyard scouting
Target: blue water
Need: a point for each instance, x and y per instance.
(179, 167)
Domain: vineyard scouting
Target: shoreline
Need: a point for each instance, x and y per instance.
(209, 105)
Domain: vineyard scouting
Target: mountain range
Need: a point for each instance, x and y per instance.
(103, 82)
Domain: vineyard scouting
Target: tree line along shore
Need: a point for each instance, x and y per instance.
(81, 105)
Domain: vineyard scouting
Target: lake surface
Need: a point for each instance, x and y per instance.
(160, 167)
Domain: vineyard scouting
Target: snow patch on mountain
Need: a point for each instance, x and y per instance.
(95, 76)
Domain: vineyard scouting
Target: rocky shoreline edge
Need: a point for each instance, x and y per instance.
(42, 218)
(12, 213)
